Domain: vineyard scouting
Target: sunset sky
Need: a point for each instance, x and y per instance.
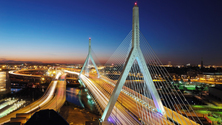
(52, 31)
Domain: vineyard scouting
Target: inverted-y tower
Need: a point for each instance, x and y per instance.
(135, 54)
(87, 61)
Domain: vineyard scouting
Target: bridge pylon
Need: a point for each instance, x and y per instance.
(135, 54)
(86, 63)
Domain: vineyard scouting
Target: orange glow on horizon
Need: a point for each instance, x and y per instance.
(44, 60)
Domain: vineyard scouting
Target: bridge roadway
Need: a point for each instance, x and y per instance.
(128, 105)
(169, 113)
(123, 117)
(53, 98)
(120, 114)
(125, 98)
(19, 74)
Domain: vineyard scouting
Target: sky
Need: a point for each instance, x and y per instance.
(53, 31)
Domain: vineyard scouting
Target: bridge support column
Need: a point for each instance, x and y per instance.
(87, 59)
(135, 54)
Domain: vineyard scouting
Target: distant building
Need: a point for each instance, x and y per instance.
(201, 63)
(188, 64)
(191, 73)
(179, 66)
(214, 77)
(5, 84)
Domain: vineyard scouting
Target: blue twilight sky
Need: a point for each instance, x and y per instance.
(180, 31)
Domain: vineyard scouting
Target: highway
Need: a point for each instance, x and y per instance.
(126, 108)
(120, 115)
(132, 104)
(60, 96)
(12, 72)
(44, 101)
(125, 98)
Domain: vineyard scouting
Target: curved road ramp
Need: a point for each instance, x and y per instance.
(53, 98)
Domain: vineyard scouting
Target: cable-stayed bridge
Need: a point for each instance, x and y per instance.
(154, 101)
(132, 87)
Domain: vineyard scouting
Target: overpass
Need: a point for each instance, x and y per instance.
(25, 76)
(53, 98)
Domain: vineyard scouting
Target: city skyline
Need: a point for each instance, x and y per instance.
(57, 32)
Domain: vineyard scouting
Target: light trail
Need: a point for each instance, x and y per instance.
(9, 102)
(12, 72)
(12, 108)
(49, 95)
(60, 96)
(129, 104)
(102, 98)
(35, 105)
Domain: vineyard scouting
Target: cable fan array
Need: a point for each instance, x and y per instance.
(135, 103)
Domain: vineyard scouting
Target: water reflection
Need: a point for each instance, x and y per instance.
(14, 90)
(72, 95)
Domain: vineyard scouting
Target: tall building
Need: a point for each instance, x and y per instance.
(201, 63)
(5, 84)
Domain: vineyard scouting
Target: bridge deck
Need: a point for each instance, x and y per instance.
(108, 85)
(125, 106)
